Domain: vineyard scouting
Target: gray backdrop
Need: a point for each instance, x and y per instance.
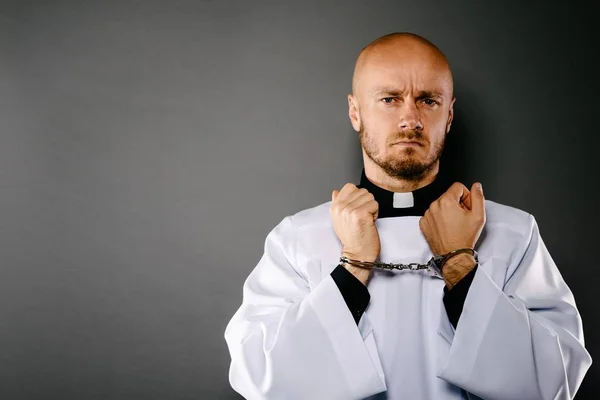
(148, 147)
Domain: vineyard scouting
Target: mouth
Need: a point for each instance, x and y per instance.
(409, 143)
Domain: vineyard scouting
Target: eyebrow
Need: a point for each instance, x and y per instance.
(395, 92)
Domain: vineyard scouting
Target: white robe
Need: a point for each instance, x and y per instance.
(519, 336)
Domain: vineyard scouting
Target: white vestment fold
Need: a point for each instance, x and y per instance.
(519, 336)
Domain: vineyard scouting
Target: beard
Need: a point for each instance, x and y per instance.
(406, 167)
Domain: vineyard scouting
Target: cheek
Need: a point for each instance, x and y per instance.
(435, 127)
(379, 125)
(437, 118)
(385, 115)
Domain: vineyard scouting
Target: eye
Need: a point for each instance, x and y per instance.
(385, 100)
(431, 102)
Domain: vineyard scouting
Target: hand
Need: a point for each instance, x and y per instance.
(353, 215)
(455, 220)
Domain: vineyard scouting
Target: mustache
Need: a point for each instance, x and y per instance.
(409, 135)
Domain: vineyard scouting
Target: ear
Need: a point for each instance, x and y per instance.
(353, 112)
(450, 115)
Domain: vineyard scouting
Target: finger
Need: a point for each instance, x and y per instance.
(461, 192)
(422, 223)
(356, 202)
(373, 208)
(370, 206)
(478, 199)
(464, 195)
(346, 189)
(361, 200)
(455, 193)
(466, 200)
(337, 196)
(352, 196)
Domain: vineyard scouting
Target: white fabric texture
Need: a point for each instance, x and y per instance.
(519, 336)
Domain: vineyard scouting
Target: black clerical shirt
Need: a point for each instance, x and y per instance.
(355, 294)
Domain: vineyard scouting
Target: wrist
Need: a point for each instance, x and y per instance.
(461, 260)
(362, 274)
(457, 267)
(359, 256)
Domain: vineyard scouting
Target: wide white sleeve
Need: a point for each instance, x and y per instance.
(289, 342)
(523, 340)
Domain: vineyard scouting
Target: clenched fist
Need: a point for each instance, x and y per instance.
(353, 213)
(455, 221)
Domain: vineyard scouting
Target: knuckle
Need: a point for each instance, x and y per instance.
(445, 200)
(362, 213)
(358, 212)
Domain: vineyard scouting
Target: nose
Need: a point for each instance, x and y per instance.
(409, 117)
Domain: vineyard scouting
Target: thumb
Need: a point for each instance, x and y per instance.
(334, 194)
(477, 199)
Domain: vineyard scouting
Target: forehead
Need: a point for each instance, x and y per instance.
(404, 73)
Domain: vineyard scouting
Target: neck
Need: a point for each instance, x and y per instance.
(398, 185)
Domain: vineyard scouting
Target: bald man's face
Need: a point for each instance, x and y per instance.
(402, 95)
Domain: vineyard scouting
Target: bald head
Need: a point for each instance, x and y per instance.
(402, 90)
(396, 50)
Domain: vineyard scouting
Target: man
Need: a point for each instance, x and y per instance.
(324, 318)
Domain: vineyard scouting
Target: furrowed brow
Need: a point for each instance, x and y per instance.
(386, 90)
(425, 94)
(390, 91)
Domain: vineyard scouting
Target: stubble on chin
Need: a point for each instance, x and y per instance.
(407, 166)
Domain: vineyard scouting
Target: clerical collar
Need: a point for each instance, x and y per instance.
(413, 203)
